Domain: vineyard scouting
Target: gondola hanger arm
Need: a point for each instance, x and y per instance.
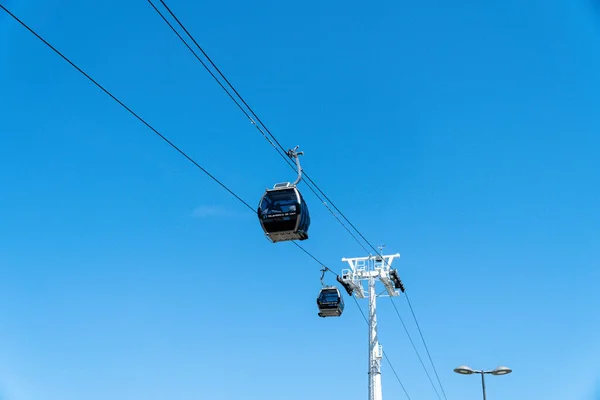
(292, 153)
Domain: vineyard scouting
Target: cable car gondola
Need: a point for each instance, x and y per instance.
(330, 302)
(282, 211)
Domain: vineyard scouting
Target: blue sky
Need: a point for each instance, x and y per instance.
(463, 135)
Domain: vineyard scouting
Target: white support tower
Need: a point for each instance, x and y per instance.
(371, 269)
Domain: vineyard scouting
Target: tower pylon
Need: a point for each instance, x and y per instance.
(370, 270)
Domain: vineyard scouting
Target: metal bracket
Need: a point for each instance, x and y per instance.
(293, 154)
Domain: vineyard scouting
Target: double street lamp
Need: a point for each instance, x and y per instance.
(464, 370)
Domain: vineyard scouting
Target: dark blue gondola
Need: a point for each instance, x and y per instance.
(330, 302)
(282, 212)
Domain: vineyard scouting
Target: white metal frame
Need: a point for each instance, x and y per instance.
(371, 269)
(363, 268)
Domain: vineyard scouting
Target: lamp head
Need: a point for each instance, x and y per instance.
(464, 370)
(501, 371)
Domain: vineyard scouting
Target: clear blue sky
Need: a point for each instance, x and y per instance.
(464, 135)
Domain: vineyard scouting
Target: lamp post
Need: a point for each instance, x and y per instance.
(465, 370)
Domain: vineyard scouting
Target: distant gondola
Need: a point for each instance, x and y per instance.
(282, 212)
(330, 302)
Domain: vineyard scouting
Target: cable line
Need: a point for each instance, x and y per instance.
(219, 82)
(415, 348)
(128, 109)
(425, 344)
(213, 64)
